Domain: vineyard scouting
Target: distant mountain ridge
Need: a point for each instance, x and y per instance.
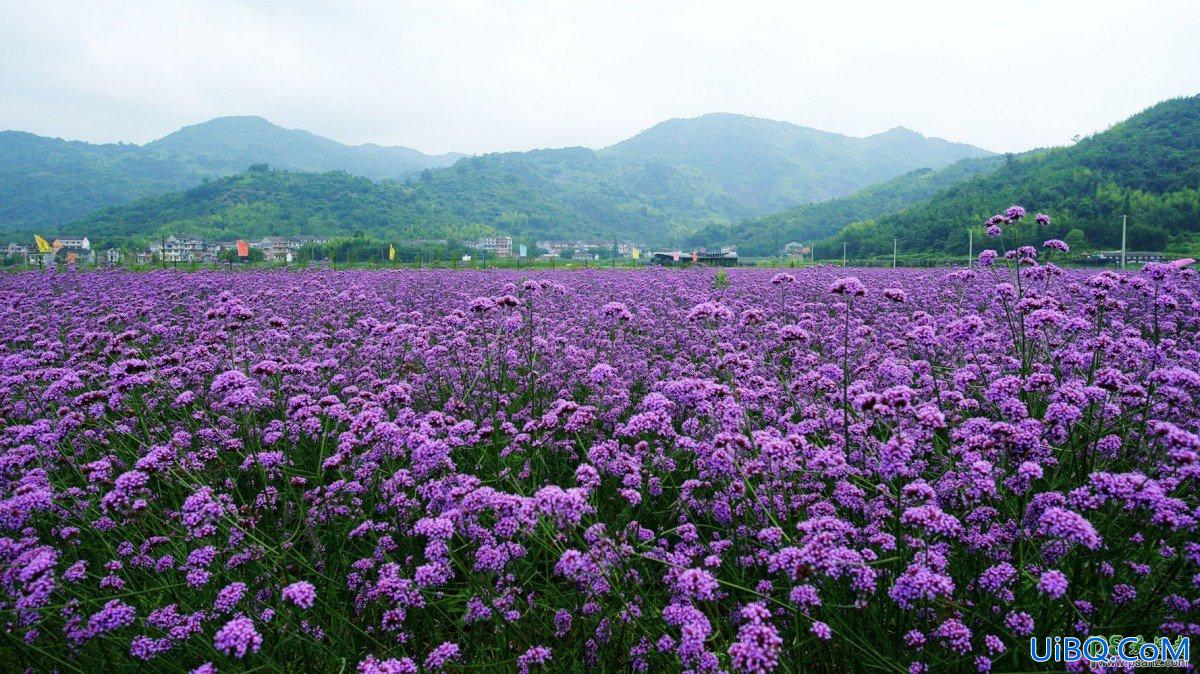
(231, 144)
(769, 165)
(47, 182)
(660, 185)
(271, 202)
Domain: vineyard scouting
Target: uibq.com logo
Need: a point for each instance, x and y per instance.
(1112, 650)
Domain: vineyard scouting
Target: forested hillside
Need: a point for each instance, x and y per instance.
(766, 165)
(659, 186)
(47, 182)
(1147, 167)
(810, 222)
(265, 201)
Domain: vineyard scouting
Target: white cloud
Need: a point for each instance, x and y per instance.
(480, 75)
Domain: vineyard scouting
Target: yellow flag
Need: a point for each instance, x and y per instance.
(391, 252)
(637, 254)
(42, 245)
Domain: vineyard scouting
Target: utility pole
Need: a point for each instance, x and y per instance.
(893, 253)
(1124, 227)
(970, 248)
(843, 255)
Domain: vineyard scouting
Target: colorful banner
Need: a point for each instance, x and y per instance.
(243, 248)
(43, 246)
(391, 252)
(637, 254)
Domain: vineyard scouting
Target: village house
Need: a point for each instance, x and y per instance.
(272, 247)
(16, 250)
(72, 243)
(299, 241)
(73, 250)
(585, 249)
(277, 247)
(183, 248)
(797, 249)
(675, 258)
(555, 248)
(499, 246)
(625, 248)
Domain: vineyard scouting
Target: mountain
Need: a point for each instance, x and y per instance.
(514, 193)
(767, 165)
(268, 202)
(46, 182)
(230, 144)
(766, 235)
(676, 177)
(1146, 167)
(706, 181)
(658, 186)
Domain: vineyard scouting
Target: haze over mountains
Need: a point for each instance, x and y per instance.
(767, 166)
(1146, 167)
(48, 182)
(231, 144)
(663, 182)
(708, 181)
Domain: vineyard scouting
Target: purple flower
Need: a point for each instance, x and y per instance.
(237, 638)
(115, 615)
(1019, 622)
(441, 656)
(1069, 526)
(228, 597)
(372, 665)
(758, 643)
(537, 655)
(1053, 583)
(918, 583)
(532, 469)
(849, 285)
(696, 584)
(301, 593)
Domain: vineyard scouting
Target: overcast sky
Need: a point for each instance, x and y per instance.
(479, 76)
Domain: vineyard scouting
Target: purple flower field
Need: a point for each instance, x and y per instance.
(652, 470)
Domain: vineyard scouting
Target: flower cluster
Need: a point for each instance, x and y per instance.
(434, 470)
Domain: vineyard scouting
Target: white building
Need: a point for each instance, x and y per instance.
(183, 248)
(75, 243)
(499, 246)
